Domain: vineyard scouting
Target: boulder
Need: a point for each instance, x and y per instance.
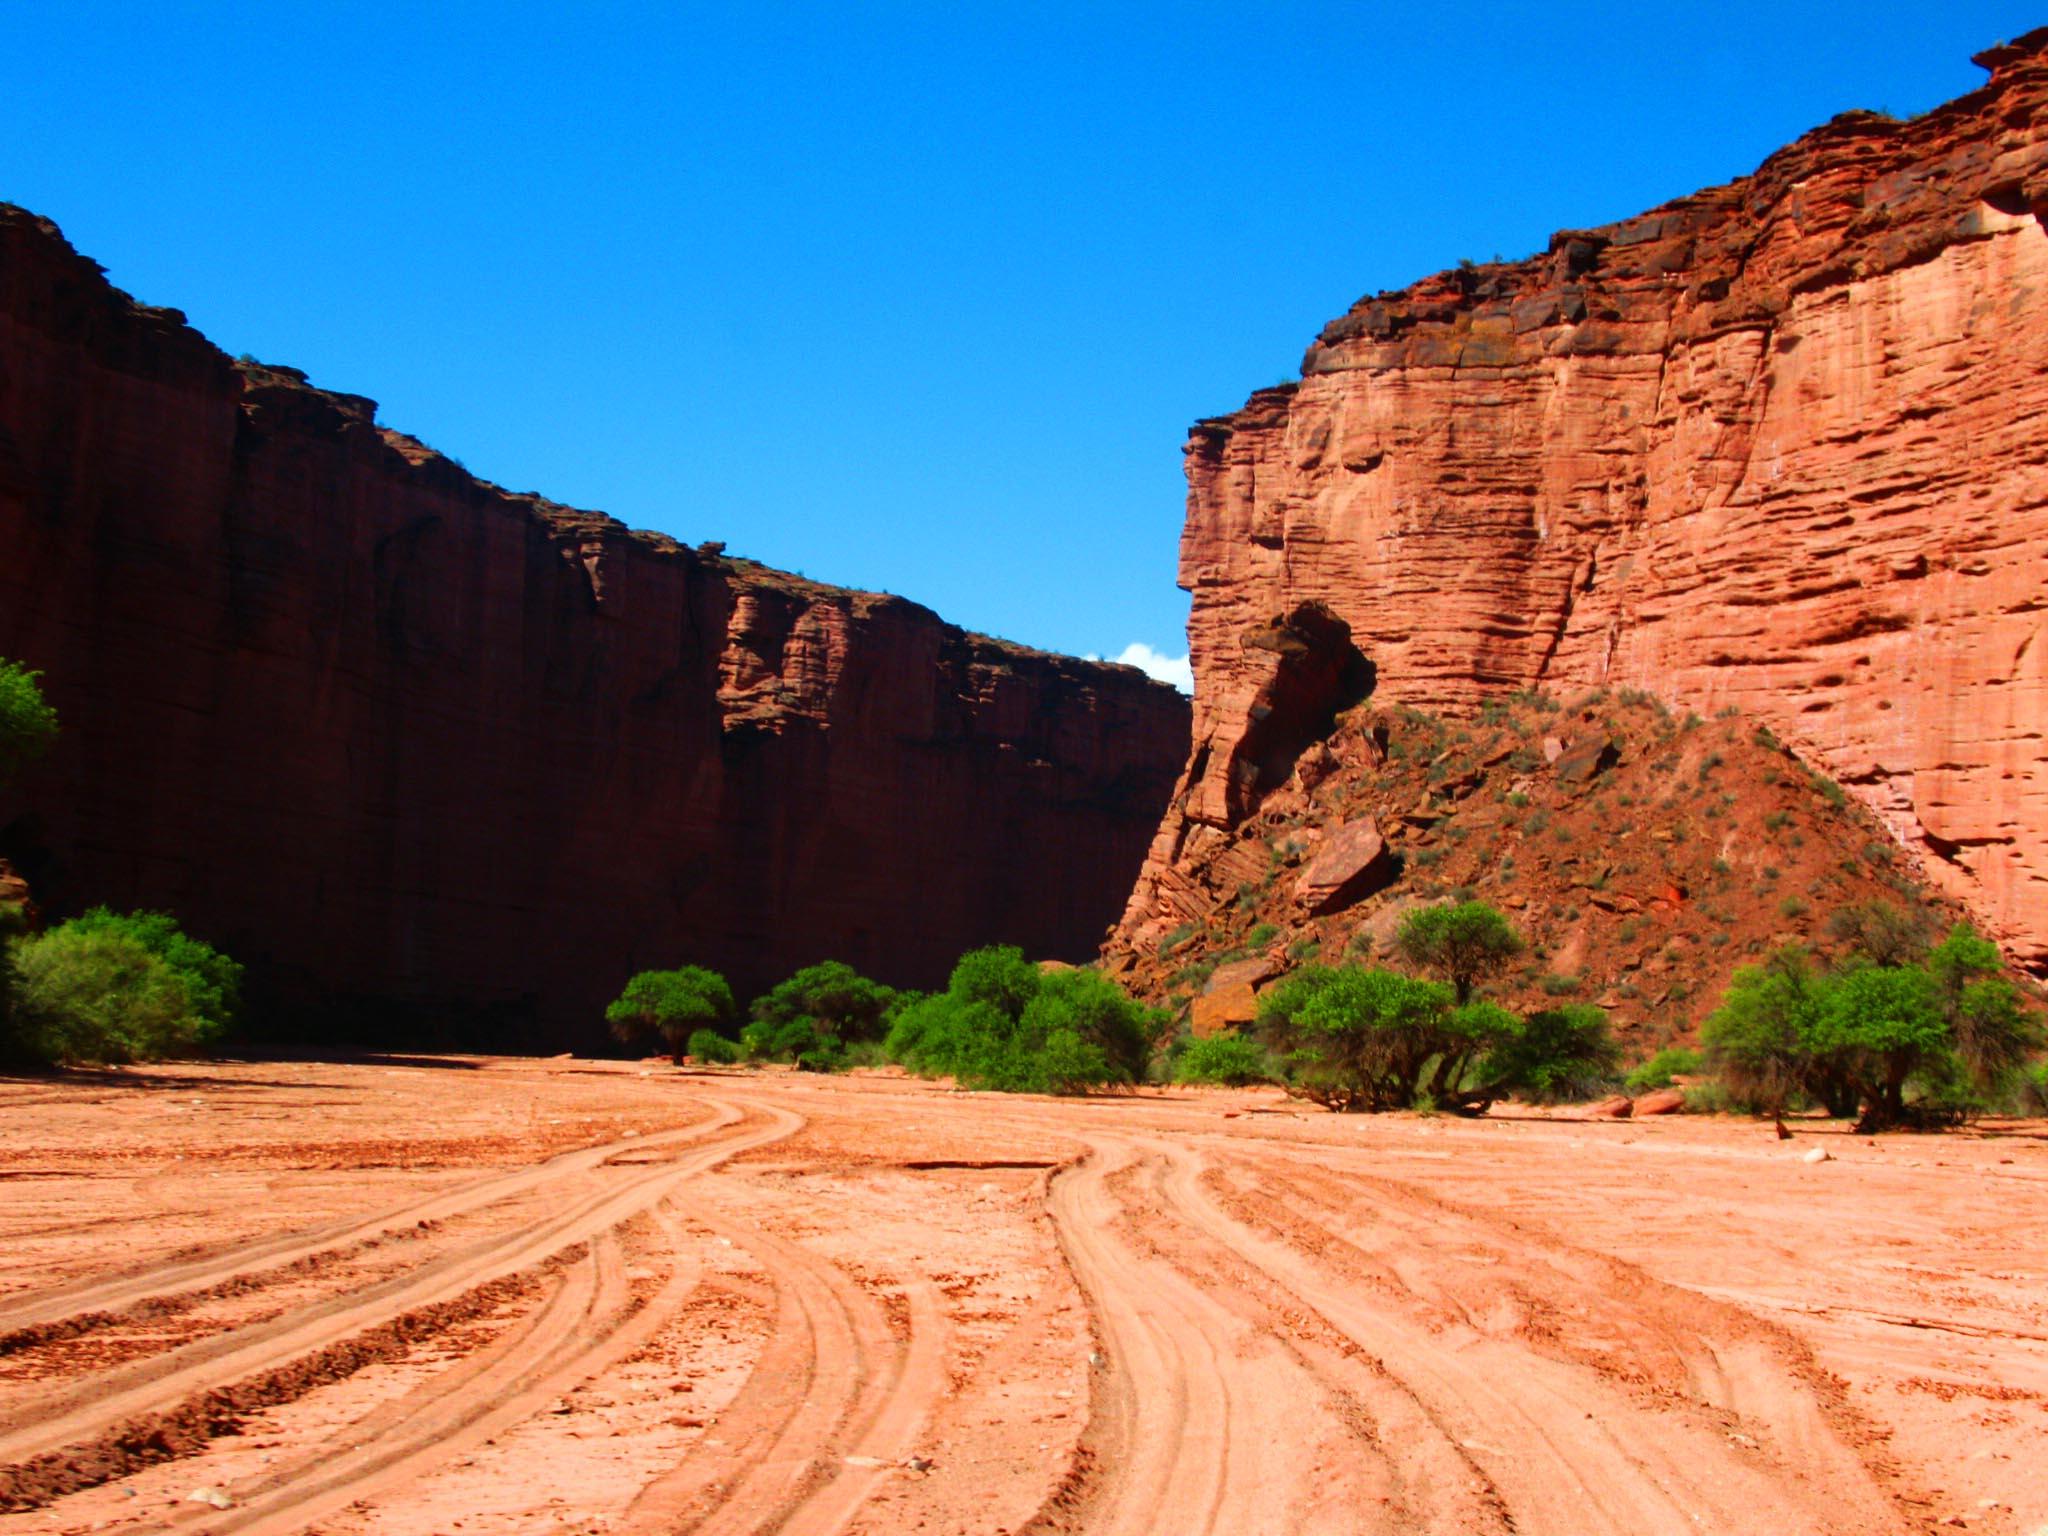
(1230, 1000)
(1663, 1101)
(1586, 758)
(1619, 1107)
(1352, 863)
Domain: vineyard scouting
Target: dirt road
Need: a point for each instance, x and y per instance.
(484, 1295)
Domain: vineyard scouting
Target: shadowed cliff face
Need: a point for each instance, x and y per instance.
(1776, 445)
(391, 734)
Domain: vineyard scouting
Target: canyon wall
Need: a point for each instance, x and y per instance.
(407, 742)
(1778, 445)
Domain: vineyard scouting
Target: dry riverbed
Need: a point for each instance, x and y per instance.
(485, 1295)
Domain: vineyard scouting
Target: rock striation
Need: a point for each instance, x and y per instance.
(390, 733)
(1776, 445)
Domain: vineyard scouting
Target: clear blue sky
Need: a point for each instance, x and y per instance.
(913, 297)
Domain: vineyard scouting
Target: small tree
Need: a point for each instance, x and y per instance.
(27, 727)
(813, 1016)
(27, 723)
(213, 982)
(1557, 1054)
(671, 1004)
(1462, 944)
(1759, 1041)
(844, 1002)
(1883, 1025)
(1355, 1038)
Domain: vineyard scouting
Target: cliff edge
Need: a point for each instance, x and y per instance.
(406, 741)
(1775, 446)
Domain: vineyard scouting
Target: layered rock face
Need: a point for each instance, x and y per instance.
(1776, 445)
(391, 734)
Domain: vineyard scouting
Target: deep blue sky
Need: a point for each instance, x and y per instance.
(914, 297)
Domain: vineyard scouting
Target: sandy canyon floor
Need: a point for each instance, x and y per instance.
(485, 1295)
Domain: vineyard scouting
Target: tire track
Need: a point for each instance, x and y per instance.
(1567, 1452)
(590, 1324)
(124, 1400)
(835, 1402)
(202, 1275)
(1195, 1419)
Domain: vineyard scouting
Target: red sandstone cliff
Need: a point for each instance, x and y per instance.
(388, 732)
(1777, 445)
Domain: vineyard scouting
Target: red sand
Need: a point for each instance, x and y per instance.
(519, 1296)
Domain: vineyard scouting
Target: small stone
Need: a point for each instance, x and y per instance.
(1817, 1155)
(216, 1497)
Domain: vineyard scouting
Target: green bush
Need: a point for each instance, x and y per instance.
(1658, 1071)
(709, 1045)
(213, 982)
(1557, 1055)
(1228, 1060)
(1004, 1024)
(837, 996)
(1260, 936)
(807, 1042)
(27, 723)
(106, 991)
(1558, 986)
(1889, 1043)
(1354, 1038)
(672, 1004)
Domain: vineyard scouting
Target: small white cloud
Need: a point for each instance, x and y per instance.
(1168, 669)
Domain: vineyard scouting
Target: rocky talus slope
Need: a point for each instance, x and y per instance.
(391, 733)
(1776, 445)
(1643, 856)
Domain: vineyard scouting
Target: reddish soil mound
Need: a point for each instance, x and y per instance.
(1643, 856)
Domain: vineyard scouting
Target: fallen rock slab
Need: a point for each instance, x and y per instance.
(1352, 864)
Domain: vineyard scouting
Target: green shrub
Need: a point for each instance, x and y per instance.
(1260, 936)
(101, 993)
(27, 723)
(1002, 1023)
(1657, 1072)
(1792, 906)
(1227, 1059)
(1828, 789)
(672, 1004)
(1557, 1055)
(1353, 1038)
(1558, 986)
(709, 1045)
(1175, 939)
(1882, 933)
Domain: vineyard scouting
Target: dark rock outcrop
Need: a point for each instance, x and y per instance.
(392, 734)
